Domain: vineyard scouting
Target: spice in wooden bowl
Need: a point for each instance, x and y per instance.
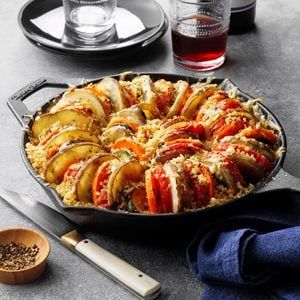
(17, 256)
(23, 255)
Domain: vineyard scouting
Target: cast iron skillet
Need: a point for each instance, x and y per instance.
(123, 223)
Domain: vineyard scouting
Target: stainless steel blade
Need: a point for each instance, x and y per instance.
(49, 219)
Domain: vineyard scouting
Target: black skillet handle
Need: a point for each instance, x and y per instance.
(282, 180)
(15, 102)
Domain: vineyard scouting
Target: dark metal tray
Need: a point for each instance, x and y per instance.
(125, 223)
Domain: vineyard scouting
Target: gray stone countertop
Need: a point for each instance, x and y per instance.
(264, 62)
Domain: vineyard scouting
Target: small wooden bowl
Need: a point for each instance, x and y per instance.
(27, 237)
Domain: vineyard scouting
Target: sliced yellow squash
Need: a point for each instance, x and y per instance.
(196, 99)
(127, 172)
(60, 162)
(69, 136)
(84, 180)
(44, 123)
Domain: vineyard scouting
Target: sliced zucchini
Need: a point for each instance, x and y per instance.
(83, 98)
(127, 172)
(69, 136)
(196, 99)
(123, 155)
(113, 90)
(84, 180)
(60, 162)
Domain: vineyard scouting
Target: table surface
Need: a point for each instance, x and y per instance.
(264, 62)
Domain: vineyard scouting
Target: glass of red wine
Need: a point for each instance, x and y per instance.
(199, 32)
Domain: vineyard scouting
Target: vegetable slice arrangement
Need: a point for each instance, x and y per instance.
(151, 147)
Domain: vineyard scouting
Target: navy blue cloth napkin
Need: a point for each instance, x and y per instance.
(254, 253)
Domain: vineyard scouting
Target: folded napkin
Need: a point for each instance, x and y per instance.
(254, 253)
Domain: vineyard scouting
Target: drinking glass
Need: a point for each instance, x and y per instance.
(199, 32)
(89, 19)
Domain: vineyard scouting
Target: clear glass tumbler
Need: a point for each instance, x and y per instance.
(89, 18)
(199, 32)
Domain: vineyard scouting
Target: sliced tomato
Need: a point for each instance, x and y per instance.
(195, 128)
(48, 137)
(53, 151)
(202, 190)
(177, 148)
(139, 199)
(201, 194)
(158, 190)
(215, 103)
(129, 96)
(152, 192)
(234, 171)
(230, 104)
(106, 106)
(260, 134)
(164, 187)
(72, 171)
(133, 146)
(210, 179)
(228, 171)
(186, 142)
(175, 135)
(232, 128)
(259, 158)
(99, 191)
(87, 111)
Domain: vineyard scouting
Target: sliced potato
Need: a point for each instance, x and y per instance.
(84, 180)
(82, 98)
(70, 136)
(60, 162)
(196, 99)
(176, 184)
(113, 90)
(43, 124)
(129, 171)
(181, 87)
(147, 88)
(110, 135)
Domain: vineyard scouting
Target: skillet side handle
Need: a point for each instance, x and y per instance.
(15, 102)
(283, 180)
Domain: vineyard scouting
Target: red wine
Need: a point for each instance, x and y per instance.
(199, 44)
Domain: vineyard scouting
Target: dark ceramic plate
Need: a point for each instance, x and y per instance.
(138, 24)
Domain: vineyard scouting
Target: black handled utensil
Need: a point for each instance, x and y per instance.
(139, 283)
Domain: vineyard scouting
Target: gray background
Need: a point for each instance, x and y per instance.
(264, 62)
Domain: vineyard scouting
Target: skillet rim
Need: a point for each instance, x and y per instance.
(92, 211)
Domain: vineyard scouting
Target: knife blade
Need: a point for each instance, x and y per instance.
(53, 222)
